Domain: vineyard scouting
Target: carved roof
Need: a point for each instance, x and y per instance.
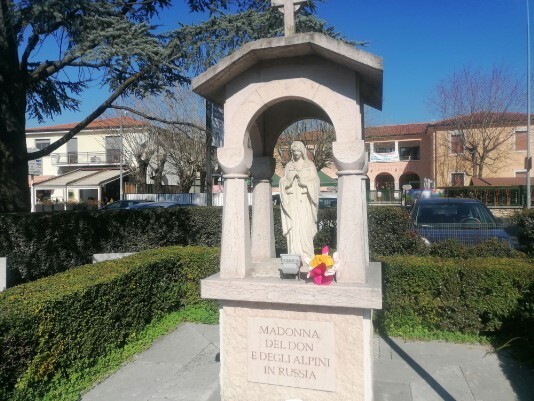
(211, 83)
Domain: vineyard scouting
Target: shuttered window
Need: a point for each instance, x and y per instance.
(521, 140)
(457, 179)
(457, 143)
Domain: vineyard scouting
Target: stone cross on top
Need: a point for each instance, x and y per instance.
(288, 8)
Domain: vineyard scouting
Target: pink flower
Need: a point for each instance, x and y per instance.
(318, 275)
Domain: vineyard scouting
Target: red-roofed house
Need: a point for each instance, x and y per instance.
(398, 155)
(457, 139)
(409, 153)
(96, 147)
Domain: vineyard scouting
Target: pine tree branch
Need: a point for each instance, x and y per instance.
(91, 117)
(32, 42)
(159, 119)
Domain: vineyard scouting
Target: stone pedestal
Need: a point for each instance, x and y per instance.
(294, 340)
(289, 339)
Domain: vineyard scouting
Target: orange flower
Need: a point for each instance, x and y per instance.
(318, 259)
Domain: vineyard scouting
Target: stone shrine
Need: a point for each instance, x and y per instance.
(292, 339)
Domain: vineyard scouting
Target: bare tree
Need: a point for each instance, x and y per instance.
(187, 155)
(173, 142)
(140, 143)
(316, 135)
(479, 111)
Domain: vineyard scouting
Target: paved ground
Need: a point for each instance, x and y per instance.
(184, 366)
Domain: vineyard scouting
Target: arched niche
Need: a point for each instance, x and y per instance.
(264, 87)
(273, 105)
(268, 123)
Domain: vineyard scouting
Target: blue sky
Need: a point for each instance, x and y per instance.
(421, 42)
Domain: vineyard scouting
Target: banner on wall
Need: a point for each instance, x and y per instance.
(384, 157)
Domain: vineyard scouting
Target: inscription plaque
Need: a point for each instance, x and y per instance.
(294, 353)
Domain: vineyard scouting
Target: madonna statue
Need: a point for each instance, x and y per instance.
(299, 195)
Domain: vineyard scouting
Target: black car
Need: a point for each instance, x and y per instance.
(159, 205)
(467, 220)
(120, 204)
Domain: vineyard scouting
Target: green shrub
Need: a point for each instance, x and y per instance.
(327, 225)
(72, 318)
(38, 245)
(525, 222)
(389, 233)
(473, 296)
(493, 247)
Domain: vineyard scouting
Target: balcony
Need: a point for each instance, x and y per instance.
(111, 156)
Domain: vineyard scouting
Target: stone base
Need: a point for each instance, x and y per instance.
(294, 340)
(280, 352)
(265, 285)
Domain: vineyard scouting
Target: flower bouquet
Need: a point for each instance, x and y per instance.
(322, 267)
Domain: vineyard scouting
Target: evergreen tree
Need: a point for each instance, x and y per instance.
(110, 44)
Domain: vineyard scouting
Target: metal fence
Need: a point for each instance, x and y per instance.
(86, 158)
(468, 233)
(195, 198)
(491, 196)
(151, 189)
(384, 197)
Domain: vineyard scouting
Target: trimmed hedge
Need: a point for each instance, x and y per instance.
(525, 222)
(38, 245)
(475, 296)
(72, 318)
(389, 234)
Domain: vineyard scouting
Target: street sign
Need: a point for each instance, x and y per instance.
(35, 167)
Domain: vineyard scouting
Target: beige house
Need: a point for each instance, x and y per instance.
(97, 148)
(487, 144)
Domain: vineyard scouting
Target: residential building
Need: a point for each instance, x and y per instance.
(458, 145)
(439, 152)
(96, 148)
(398, 155)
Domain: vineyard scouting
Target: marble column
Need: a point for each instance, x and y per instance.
(262, 236)
(235, 242)
(352, 232)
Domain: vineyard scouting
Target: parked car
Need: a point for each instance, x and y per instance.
(120, 204)
(156, 205)
(326, 199)
(467, 220)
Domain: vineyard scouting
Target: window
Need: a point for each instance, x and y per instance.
(72, 150)
(384, 147)
(457, 143)
(42, 143)
(520, 139)
(409, 152)
(113, 149)
(457, 179)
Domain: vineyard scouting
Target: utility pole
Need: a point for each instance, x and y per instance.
(528, 159)
(120, 159)
(209, 135)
